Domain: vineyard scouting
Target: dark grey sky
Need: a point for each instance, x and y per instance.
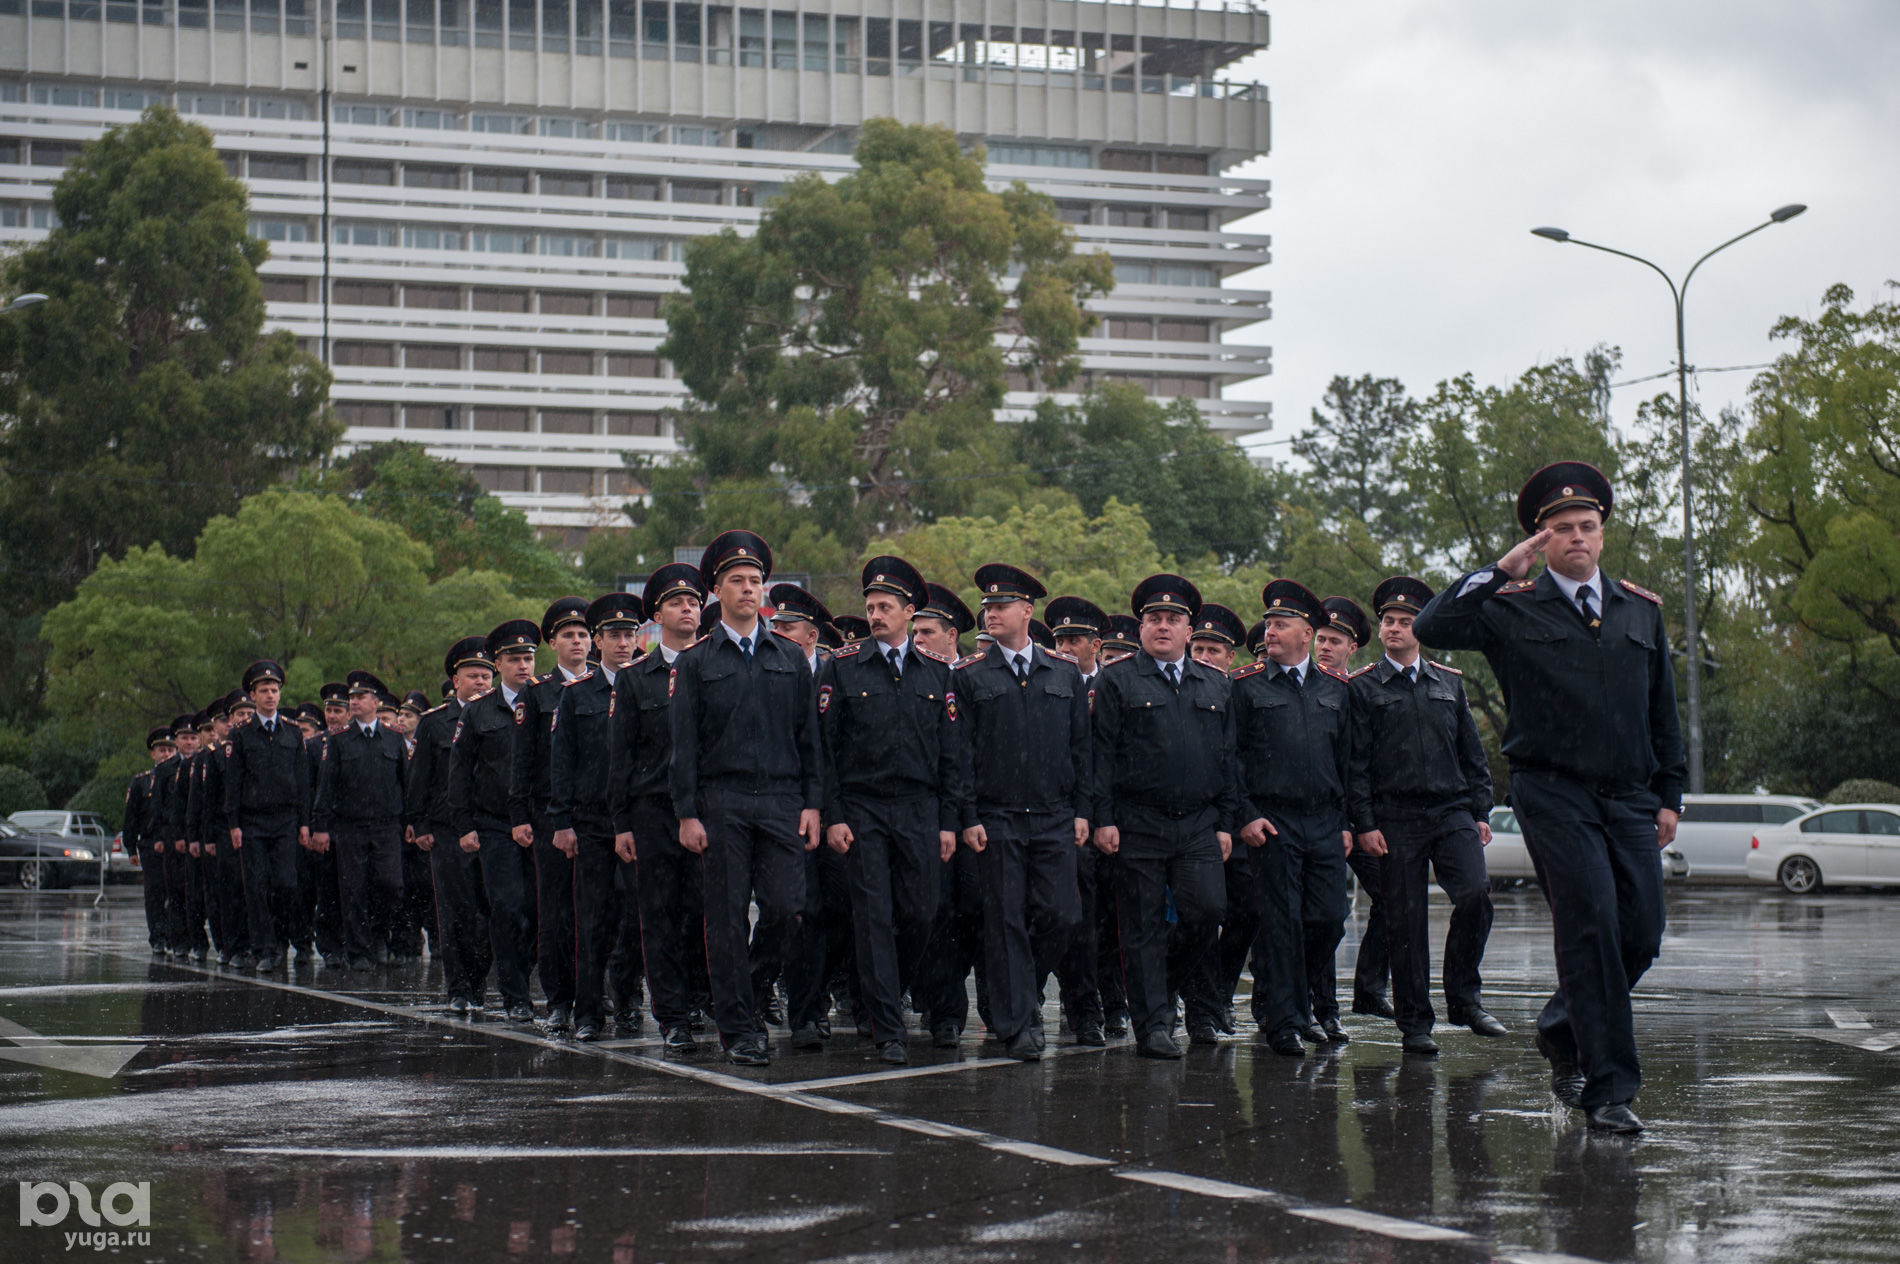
(1417, 142)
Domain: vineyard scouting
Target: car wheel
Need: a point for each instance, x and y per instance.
(1799, 876)
(33, 875)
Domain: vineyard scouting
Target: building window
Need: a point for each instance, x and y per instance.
(1174, 387)
(633, 424)
(569, 245)
(501, 243)
(440, 297)
(371, 355)
(1192, 221)
(490, 180)
(285, 289)
(1131, 217)
(556, 303)
(271, 229)
(505, 124)
(1142, 330)
(633, 366)
(1128, 160)
(429, 417)
(1014, 154)
(572, 363)
(276, 167)
(430, 237)
(353, 414)
(362, 232)
(499, 360)
(566, 421)
(351, 171)
(500, 478)
(417, 355)
(568, 482)
(636, 190)
(566, 184)
(487, 300)
(416, 175)
(1171, 164)
(48, 153)
(502, 419)
(1185, 331)
(696, 191)
(362, 293)
(633, 306)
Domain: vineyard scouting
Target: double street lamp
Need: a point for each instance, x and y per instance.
(1692, 647)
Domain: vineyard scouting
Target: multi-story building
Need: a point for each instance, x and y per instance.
(475, 210)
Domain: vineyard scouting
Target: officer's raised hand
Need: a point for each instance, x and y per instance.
(1517, 563)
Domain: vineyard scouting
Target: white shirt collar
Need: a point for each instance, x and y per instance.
(1570, 586)
(667, 655)
(368, 727)
(509, 695)
(737, 635)
(566, 674)
(1418, 664)
(1165, 663)
(902, 648)
(1304, 667)
(610, 674)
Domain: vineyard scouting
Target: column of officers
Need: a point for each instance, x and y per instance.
(1107, 799)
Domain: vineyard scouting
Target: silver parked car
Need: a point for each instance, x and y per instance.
(1508, 862)
(1716, 828)
(1849, 844)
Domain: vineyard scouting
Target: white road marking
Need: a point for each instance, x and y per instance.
(1202, 1185)
(908, 1073)
(1384, 1226)
(99, 1061)
(481, 1153)
(1849, 1019)
(1856, 1040)
(1047, 1154)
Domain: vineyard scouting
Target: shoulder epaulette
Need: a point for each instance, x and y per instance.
(1067, 658)
(1336, 675)
(846, 651)
(1251, 669)
(440, 706)
(932, 654)
(966, 661)
(1362, 671)
(1640, 591)
(546, 677)
(1518, 586)
(701, 637)
(586, 675)
(1445, 667)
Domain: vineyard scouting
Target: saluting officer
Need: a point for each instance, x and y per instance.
(481, 766)
(1420, 796)
(1095, 950)
(897, 771)
(141, 838)
(747, 781)
(461, 905)
(646, 831)
(564, 629)
(604, 887)
(359, 811)
(1347, 631)
(1029, 813)
(1165, 801)
(267, 795)
(1294, 730)
(1596, 766)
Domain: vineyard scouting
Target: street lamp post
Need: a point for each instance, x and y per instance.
(1692, 650)
(21, 303)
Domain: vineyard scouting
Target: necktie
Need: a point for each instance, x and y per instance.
(1293, 674)
(745, 647)
(1584, 595)
(1411, 674)
(1174, 675)
(1022, 669)
(270, 728)
(897, 664)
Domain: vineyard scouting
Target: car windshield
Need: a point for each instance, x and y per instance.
(37, 820)
(9, 830)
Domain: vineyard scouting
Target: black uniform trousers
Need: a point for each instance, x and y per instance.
(1165, 854)
(369, 882)
(269, 860)
(603, 889)
(187, 900)
(1300, 885)
(955, 948)
(625, 969)
(554, 916)
(671, 910)
(415, 912)
(1108, 936)
(1374, 962)
(508, 880)
(1210, 991)
(461, 914)
(228, 871)
(820, 945)
(323, 906)
(1076, 972)
(1601, 869)
(1445, 843)
(157, 893)
(892, 868)
(753, 851)
(1030, 910)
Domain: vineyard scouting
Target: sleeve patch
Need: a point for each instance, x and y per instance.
(824, 699)
(1474, 581)
(949, 706)
(672, 679)
(521, 713)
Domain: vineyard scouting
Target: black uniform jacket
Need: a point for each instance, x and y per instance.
(1415, 746)
(268, 773)
(1030, 741)
(640, 737)
(1163, 747)
(578, 755)
(1294, 742)
(426, 792)
(481, 760)
(892, 736)
(750, 727)
(361, 781)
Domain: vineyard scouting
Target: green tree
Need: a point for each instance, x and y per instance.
(144, 398)
(1352, 455)
(19, 791)
(844, 361)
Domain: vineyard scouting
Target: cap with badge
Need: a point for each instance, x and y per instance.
(1343, 615)
(310, 711)
(1257, 638)
(735, 548)
(364, 682)
(708, 617)
(1290, 599)
(1076, 616)
(1216, 622)
(218, 708)
(387, 701)
(1401, 593)
(334, 693)
(261, 671)
(183, 724)
(235, 700)
(415, 702)
(470, 651)
(670, 581)
(512, 637)
(563, 611)
(792, 604)
(852, 628)
(160, 736)
(615, 610)
(1124, 634)
(1000, 583)
(1165, 592)
(1564, 485)
(946, 605)
(1039, 633)
(893, 575)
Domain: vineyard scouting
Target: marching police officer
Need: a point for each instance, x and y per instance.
(481, 767)
(460, 906)
(267, 795)
(564, 629)
(1030, 808)
(646, 831)
(1123, 639)
(1094, 954)
(1420, 796)
(1347, 631)
(604, 888)
(747, 781)
(141, 836)
(1293, 727)
(1596, 766)
(1165, 801)
(182, 903)
(316, 870)
(358, 812)
(1216, 634)
(896, 780)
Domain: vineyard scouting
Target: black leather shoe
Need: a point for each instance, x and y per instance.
(749, 1052)
(943, 1035)
(1224, 1021)
(679, 1040)
(1158, 1044)
(1117, 1025)
(769, 1012)
(362, 965)
(894, 1053)
(588, 1031)
(1022, 1047)
(1482, 1023)
(1036, 1034)
(1617, 1117)
(629, 1021)
(1286, 1044)
(458, 1005)
(1566, 1077)
(1313, 1034)
(1090, 1034)
(561, 1018)
(808, 1037)
(1373, 1005)
(863, 1024)
(1420, 1043)
(1335, 1034)
(697, 1021)
(521, 1012)
(1201, 1031)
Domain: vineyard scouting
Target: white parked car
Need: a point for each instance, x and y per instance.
(1848, 844)
(1508, 862)
(1716, 828)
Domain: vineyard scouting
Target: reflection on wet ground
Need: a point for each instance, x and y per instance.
(334, 1116)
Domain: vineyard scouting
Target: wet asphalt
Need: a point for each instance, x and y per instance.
(338, 1116)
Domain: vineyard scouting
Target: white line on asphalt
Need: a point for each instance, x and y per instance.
(554, 1152)
(1849, 1019)
(1047, 1154)
(1384, 1226)
(909, 1073)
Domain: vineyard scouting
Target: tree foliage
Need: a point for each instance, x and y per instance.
(1352, 455)
(144, 398)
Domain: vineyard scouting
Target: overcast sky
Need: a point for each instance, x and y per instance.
(1416, 142)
